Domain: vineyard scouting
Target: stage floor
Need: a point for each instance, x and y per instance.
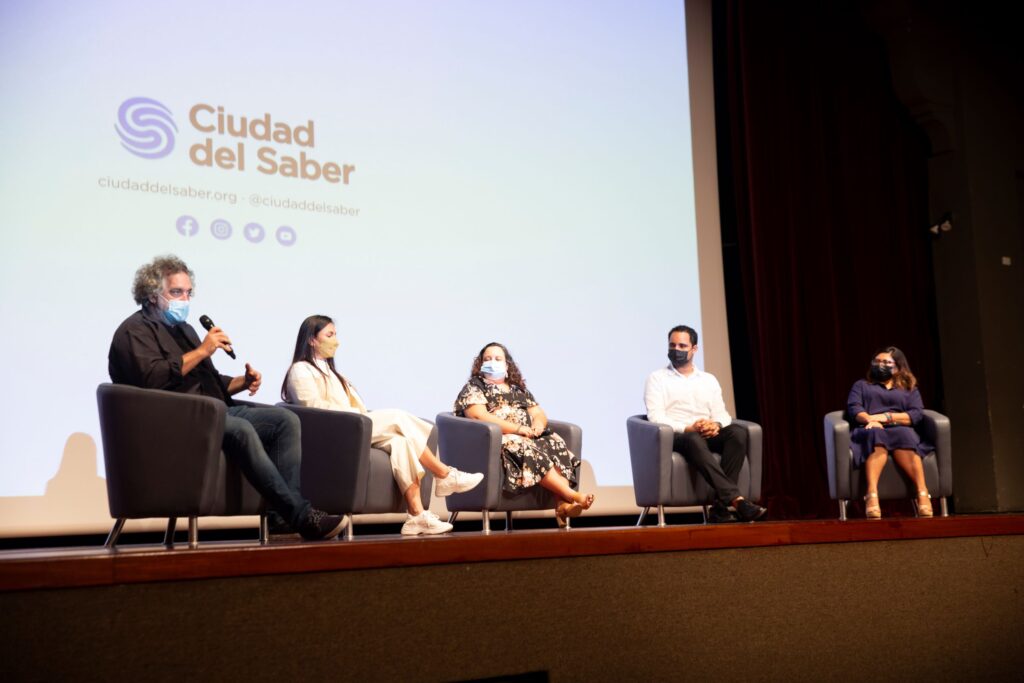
(97, 566)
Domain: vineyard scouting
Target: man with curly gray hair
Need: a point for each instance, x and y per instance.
(156, 348)
(149, 278)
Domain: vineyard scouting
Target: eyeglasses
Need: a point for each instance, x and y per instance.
(889, 363)
(178, 292)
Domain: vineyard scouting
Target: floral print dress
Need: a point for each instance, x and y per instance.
(525, 459)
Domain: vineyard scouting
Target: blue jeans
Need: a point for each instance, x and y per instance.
(265, 443)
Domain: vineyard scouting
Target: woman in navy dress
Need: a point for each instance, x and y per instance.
(887, 404)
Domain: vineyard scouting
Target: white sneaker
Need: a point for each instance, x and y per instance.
(425, 523)
(457, 482)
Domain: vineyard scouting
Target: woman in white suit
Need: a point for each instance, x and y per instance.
(313, 381)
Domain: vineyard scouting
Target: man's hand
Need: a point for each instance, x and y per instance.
(697, 426)
(253, 379)
(706, 428)
(710, 429)
(215, 339)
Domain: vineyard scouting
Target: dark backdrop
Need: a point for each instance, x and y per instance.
(823, 185)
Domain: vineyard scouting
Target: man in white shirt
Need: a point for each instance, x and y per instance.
(690, 401)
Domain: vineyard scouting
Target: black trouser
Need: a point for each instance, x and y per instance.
(730, 443)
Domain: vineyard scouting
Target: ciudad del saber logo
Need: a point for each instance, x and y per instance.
(147, 129)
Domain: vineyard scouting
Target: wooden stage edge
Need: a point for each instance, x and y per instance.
(96, 566)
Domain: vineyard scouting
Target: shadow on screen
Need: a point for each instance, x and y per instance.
(74, 498)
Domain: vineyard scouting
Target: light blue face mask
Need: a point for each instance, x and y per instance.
(494, 369)
(176, 311)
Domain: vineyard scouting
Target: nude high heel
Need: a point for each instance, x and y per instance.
(871, 508)
(924, 504)
(566, 510)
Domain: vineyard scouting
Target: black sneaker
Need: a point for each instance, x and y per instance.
(749, 512)
(720, 515)
(320, 526)
(276, 526)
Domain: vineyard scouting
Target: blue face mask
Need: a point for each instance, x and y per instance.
(176, 311)
(494, 369)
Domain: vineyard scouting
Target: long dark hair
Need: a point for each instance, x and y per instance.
(308, 330)
(515, 378)
(904, 378)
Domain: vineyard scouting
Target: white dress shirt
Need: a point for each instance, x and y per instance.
(679, 400)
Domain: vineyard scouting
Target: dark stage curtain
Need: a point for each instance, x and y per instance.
(823, 180)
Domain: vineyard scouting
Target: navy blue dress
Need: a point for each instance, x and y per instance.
(871, 398)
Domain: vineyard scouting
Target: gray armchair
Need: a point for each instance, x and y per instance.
(846, 483)
(156, 469)
(475, 446)
(341, 473)
(663, 478)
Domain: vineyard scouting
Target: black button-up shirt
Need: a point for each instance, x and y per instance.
(147, 352)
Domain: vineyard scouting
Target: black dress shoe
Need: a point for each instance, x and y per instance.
(749, 512)
(720, 515)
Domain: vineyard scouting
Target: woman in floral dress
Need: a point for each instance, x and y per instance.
(531, 453)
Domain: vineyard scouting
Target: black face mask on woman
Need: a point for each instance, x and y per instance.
(881, 373)
(678, 358)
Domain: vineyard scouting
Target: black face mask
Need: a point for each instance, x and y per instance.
(678, 358)
(881, 373)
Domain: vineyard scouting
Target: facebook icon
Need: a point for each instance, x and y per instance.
(187, 226)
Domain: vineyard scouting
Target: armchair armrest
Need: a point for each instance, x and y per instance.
(335, 456)
(154, 467)
(754, 452)
(934, 428)
(472, 446)
(650, 453)
(837, 454)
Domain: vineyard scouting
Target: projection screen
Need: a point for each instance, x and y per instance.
(432, 175)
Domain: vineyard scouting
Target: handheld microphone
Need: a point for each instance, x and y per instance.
(207, 324)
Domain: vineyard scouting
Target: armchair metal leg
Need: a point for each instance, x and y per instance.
(568, 523)
(643, 516)
(452, 516)
(172, 523)
(842, 509)
(508, 520)
(264, 529)
(661, 516)
(193, 532)
(943, 507)
(350, 532)
(115, 532)
(486, 517)
(705, 510)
